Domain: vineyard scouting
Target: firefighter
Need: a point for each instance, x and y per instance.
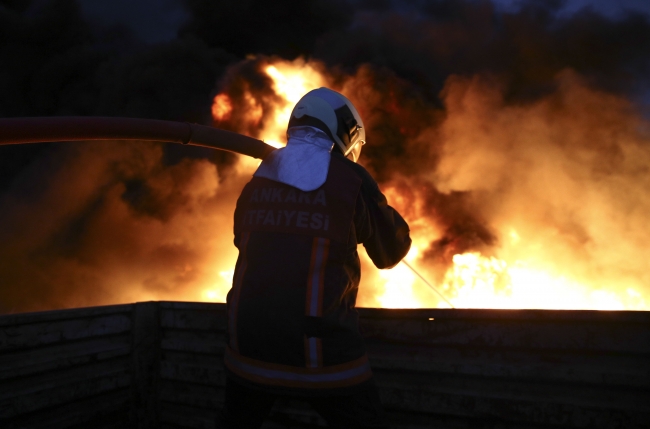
(293, 330)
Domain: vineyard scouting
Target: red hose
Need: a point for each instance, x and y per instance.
(56, 129)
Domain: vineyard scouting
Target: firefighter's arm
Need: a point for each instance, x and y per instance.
(381, 229)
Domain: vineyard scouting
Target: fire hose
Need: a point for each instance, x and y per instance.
(432, 287)
(61, 129)
(57, 129)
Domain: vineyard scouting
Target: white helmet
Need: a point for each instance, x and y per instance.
(335, 115)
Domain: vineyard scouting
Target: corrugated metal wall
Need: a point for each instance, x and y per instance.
(512, 369)
(160, 365)
(191, 369)
(66, 369)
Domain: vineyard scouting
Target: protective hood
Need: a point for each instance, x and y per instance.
(303, 163)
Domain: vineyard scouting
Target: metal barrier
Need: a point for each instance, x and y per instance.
(159, 364)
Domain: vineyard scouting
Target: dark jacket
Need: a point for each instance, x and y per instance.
(292, 321)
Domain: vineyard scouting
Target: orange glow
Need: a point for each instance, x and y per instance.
(530, 280)
(542, 204)
(291, 80)
(221, 107)
(255, 111)
(483, 282)
(220, 287)
(533, 264)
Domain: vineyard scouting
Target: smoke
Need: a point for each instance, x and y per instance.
(526, 49)
(284, 27)
(504, 133)
(109, 222)
(562, 182)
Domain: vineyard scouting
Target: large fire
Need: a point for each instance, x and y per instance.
(531, 205)
(522, 271)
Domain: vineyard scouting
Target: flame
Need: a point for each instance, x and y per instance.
(478, 281)
(291, 80)
(526, 276)
(488, 282)
(520, 273)
(219, 288)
